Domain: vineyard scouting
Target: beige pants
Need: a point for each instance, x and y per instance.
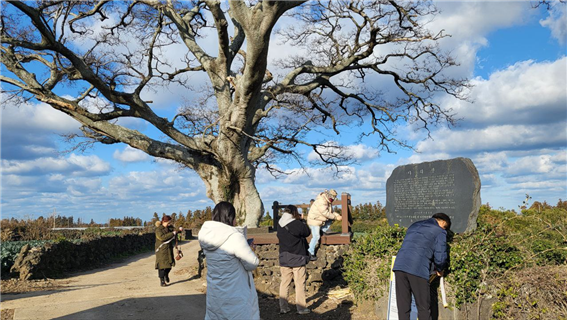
(298, 276)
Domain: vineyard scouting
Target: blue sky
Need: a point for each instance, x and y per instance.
(514, 130)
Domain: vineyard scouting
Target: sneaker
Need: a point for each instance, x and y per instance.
(312, 258)
(304, 311)
(284, 311)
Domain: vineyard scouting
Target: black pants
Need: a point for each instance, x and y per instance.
(406, 284)
(163, 273)
(433, 287)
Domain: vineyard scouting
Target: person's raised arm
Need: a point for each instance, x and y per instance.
(299, 229)
(163, 235)
(243, 252)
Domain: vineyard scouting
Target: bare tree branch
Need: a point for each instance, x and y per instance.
(110, 54)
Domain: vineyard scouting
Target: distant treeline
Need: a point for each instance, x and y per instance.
(368, 215)
(37, 229)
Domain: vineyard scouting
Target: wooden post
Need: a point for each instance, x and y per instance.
(275, 215)
(345, 202)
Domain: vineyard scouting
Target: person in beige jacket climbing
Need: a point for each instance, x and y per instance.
(320, 218)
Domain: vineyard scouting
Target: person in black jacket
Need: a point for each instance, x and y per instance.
(292, 234)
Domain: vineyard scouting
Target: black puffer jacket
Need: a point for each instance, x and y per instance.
(292, 236)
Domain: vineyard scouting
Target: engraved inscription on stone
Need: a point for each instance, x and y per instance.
(415, 192)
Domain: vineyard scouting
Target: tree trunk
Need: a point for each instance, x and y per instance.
(227, 185)
(248, 202)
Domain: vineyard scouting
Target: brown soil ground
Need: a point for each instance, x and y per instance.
(130, 290)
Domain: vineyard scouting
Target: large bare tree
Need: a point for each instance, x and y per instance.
(344, 59)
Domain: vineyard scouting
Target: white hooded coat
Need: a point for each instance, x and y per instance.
(231, 293)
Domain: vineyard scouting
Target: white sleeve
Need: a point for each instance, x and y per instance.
(238, 246)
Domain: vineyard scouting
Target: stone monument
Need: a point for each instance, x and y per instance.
(417, 191)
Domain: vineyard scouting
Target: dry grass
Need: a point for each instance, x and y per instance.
(533, 293)
(7, 314)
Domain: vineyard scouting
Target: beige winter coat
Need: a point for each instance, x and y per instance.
(321, 210)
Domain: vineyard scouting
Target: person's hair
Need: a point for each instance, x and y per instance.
(165, 218)
(291, 209)
(224, 212)
(444, 217)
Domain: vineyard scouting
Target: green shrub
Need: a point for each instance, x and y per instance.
(503, 242)
(368, 260)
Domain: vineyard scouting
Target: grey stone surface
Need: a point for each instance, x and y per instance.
(417, 191)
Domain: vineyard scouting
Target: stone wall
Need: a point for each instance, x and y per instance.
(325, 271)
(467, 312)
(54, 259)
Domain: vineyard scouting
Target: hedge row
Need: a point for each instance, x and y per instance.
(55, 259)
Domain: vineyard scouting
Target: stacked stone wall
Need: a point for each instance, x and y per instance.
(325, 271)
(54, 259)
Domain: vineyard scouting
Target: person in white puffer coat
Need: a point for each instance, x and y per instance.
(231, 293)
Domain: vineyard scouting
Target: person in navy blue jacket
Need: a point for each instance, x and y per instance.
(423, 253)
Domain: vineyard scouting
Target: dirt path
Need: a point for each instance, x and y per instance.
(127, 290)
(131, 290)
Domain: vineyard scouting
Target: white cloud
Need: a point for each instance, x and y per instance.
(519, 108)
(31, 130)
(495, 138)
(491, 161)
(38, 117)
(530, 186)
(530, 165)
(425, 156)
(362, 152)
(358, 152)
(526, 92)
(41, 165)
(373, 177)
(76, 165)
(488, 180)
(557, 22)
(322, 177)
(83, 186)
(164, 183)
(130, 154)
(91, 164)
(470, 22)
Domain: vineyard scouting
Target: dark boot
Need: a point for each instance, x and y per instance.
(163, 284)
(166, 274)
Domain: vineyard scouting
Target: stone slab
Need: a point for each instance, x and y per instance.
(417, 191)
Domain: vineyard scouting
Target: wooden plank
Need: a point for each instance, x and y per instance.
(329, 239)
(336, 239)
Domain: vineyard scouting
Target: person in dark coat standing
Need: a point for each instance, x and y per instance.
(165, 241)
(423, 253)
(292, 234)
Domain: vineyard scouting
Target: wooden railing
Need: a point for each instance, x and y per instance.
(344, 202)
